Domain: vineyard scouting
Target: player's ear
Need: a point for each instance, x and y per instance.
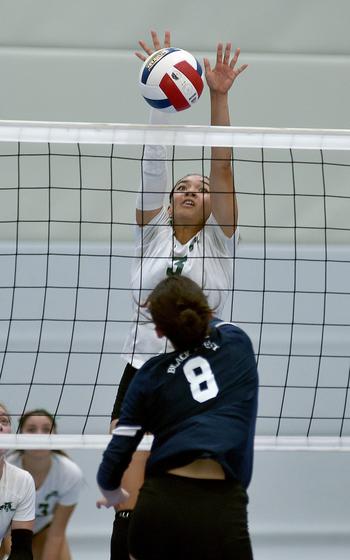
(170, 214)
(159, 332)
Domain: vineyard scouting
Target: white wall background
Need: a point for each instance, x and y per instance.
(73, 61)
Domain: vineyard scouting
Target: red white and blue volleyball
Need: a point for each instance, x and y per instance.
(171, 80)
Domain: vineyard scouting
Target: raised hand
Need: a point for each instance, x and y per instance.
(221, 77)
(156, 45)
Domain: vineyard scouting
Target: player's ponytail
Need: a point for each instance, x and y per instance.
(180, 310)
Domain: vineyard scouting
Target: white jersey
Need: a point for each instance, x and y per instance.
(17, 497)
(206, 259)
(62, 486)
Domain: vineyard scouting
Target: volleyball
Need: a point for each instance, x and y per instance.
(171, 80)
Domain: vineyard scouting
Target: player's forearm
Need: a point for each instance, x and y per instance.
(53, 547)
(116, 459)
(220, 116)
(5, 547)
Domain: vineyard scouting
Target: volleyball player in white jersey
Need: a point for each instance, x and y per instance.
(58, 482)
(17, 502)
(194, 234)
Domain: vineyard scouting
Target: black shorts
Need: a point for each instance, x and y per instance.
(125, 381)
(185, 518)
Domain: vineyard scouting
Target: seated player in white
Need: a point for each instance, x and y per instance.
(58, 482)
(17, 502)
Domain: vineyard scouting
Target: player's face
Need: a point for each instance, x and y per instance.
(190, 204)
(5, 425)
(38, 425)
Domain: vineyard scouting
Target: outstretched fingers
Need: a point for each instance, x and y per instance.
(167, 41)
(156, 45)
(147, 50)
(206, 63)
(223, 54)
(227, 53)
(234, 62)
(235, 58)
(219, 51)
(156, 41)
(240, 69)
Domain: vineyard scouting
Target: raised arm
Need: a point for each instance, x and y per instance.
(154, 172)
(220, 80)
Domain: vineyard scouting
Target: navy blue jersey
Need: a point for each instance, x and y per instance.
(198, 404)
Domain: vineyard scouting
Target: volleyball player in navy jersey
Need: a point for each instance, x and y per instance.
(200, 402)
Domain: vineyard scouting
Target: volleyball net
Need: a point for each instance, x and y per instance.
(67, 203)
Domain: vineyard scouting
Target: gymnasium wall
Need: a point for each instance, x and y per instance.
(73, 60)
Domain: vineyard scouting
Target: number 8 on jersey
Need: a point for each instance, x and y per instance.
(201, 379)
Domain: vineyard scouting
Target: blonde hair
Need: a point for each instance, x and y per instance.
(6, 411)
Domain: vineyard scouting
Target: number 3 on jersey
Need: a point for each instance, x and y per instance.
(201, 379)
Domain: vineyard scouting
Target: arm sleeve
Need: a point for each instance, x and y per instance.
(154, 170)
(127, 436)
(21, 545)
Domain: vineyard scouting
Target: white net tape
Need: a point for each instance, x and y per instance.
(189, 135)
(99, 441)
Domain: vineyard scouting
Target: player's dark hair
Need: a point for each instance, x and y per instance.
(36, 412)
(180, 309)
(182, 178)
(40, 412)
